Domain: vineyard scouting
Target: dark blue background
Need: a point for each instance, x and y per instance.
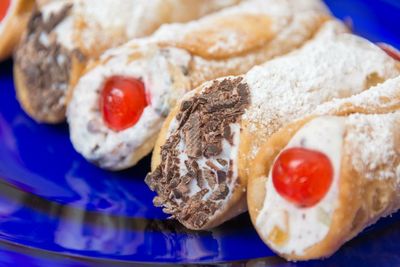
(51, 199)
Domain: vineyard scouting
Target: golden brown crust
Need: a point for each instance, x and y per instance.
(168, 11)
(347, 108)
(162, 138)
(248, 141)
(78, 68)
(24, 98)
(14, 26)
(141, 151)
(22, 92)
(248, 56)
(249, 32)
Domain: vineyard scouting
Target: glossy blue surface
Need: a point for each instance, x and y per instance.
(51, 199)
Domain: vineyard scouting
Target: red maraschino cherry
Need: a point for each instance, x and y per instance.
(122, 102)
(4, 5)
(390, 50)
(302, 176)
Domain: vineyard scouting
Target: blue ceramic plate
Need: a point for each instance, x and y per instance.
(54, 205)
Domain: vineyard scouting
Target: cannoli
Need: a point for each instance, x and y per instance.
(159, 70)
(63, 35)
(205, 150)
(14, 15)
(320, 181)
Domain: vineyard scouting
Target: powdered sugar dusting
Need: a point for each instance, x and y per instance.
(113, 22)
(371, 140)
(276, 10)
(288, 88)
(291, 22)
(383, 96)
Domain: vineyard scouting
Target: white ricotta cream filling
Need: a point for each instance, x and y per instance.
(304, 227)
(115, 150)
